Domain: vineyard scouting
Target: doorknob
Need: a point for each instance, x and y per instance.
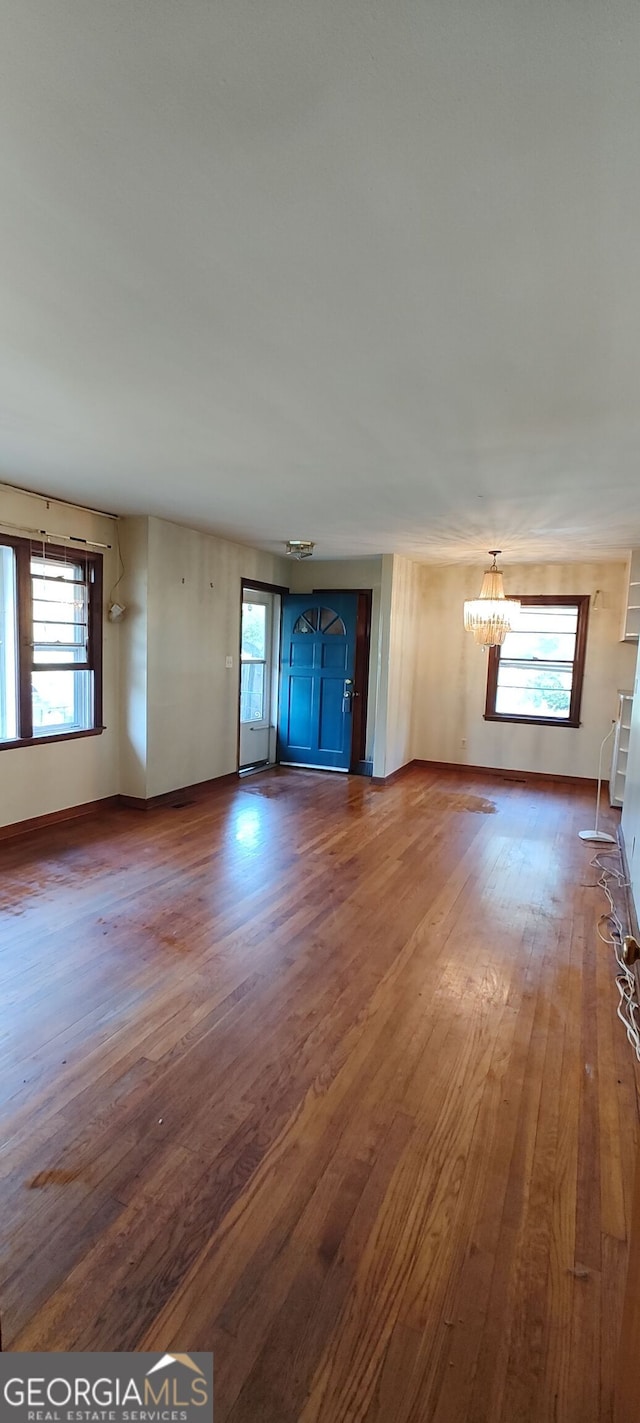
(349, 690)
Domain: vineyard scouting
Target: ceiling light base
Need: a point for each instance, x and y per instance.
(299, 548)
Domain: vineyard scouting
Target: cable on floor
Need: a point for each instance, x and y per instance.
(628, 1007)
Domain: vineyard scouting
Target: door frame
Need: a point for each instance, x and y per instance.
(260, 587)
(358, 764)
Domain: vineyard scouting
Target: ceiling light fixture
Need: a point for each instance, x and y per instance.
(300, 548)
(492, 615)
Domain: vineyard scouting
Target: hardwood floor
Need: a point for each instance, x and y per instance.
(327, 1078)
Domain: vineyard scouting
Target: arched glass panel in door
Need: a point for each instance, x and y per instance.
(324, 620)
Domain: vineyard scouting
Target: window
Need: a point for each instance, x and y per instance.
(320, 620)
(8, 646)
(50, 642)
(536, 676)
(254, 658)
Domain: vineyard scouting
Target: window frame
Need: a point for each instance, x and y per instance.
(581, 602)
(24, 549)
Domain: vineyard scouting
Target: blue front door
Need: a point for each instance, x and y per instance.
(316, 686)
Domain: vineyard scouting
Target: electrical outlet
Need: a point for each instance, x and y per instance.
(228, 662)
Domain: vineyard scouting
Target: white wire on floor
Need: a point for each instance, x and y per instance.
(628, 1007)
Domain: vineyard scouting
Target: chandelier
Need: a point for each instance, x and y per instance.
(491, 616)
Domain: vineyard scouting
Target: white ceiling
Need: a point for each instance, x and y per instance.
(360, 271)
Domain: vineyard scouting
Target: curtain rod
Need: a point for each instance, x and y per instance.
(44, 534)
(53, 499)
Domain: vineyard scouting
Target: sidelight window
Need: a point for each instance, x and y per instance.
(254, 661)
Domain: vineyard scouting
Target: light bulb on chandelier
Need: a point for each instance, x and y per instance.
(491, 615)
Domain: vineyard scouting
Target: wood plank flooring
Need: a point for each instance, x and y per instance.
(325, 1077)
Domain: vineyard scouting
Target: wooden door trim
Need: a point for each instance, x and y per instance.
(262, 587)
(627, 1383)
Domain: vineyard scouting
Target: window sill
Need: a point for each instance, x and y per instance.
(532, 720)
(48, 740)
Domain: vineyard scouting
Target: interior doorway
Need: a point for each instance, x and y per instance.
(263, 679)
(324, 668)
(317, 681)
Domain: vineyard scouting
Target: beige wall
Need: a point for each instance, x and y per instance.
(192, 627)
(133, 591)
(307, 574)
(452, 672)
(631, 807)
(39, 779)
(401, 650)
(180, 701)
(176, 721)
